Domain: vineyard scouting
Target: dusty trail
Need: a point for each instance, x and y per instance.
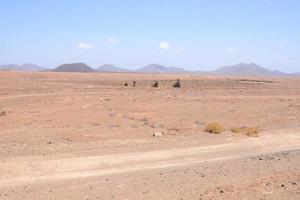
(32, 169)
(48, 94)
(295, 97)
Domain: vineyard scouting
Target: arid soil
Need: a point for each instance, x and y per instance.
(87, 136)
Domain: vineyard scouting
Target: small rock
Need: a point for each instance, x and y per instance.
(2, 113)
(158, 134)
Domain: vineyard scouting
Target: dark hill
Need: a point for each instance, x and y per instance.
(74, 67)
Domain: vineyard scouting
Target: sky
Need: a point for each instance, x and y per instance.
(194, 34)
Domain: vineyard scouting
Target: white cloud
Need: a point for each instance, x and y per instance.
(180, 49)
(83, 45)
(112, 40)
(283, 58)
(231, 50)
(164, 45)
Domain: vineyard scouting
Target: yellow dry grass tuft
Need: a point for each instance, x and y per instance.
(249, 131)
(235, 129)
(214, 127)
(252, 132)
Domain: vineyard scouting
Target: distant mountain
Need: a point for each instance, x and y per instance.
(244, 69)
(24, 67)
(74, 67)
(156, 68)
(111, 68)
(297, 73)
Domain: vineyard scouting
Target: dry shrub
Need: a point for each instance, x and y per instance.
(249, 131)
(252, 131)
(215, 128)
(177, 84)
(235, 129)
(155, 84)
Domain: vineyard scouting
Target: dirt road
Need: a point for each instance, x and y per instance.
(34, 169)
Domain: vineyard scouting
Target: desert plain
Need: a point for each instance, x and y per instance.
(86, 136)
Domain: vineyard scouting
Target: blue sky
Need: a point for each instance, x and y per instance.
(195, 34)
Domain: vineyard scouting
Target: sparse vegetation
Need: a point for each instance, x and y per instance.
(155, 84)
(177, 84)
(126, 84)
(249, 131)
(235, 129)
(252, 132)
(215, 128)
(133, 83)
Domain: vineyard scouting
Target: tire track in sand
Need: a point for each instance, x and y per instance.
(32, 170)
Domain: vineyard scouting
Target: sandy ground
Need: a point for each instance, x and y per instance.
(86, 136)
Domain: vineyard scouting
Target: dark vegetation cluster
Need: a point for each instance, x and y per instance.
(177, 84)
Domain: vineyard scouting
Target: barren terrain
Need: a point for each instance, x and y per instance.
(87, 136)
